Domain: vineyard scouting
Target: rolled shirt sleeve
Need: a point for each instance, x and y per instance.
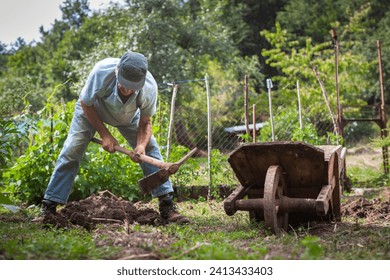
(147, 102)
(99, 81)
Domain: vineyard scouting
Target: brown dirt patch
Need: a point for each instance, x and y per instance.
(133, 244)
(114, 217)
(104, 208)
(375, 210)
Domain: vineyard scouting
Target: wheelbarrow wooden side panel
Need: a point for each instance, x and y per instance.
(304, 165)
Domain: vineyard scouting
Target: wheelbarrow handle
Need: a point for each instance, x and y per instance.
(144, 158)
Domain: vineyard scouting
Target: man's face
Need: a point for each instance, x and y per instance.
(125, 91)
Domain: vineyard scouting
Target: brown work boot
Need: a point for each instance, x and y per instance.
(48, 208)
(168, 211)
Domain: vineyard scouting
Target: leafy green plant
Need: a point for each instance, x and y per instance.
(101, 170)
(307, 134)
(4, 199)
(381, 142)
(313, 248)
(27, 179)
(222, 174)
(7, 130)
(188, 172)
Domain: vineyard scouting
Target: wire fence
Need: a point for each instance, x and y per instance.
(188, 125)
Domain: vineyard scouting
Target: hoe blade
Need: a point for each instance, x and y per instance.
(152, 181)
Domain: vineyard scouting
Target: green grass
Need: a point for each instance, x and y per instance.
(22, 240)
(367, 178)
(211, 235)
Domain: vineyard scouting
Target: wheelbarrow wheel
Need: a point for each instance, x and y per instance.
(274, 189)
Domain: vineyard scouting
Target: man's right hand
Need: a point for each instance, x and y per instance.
(108, 143)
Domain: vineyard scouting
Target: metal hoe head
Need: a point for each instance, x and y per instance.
(152, 181)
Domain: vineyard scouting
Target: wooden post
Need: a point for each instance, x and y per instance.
(334, 120)
(340, 125)
(383, 118)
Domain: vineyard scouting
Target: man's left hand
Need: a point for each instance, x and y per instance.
(139, 150)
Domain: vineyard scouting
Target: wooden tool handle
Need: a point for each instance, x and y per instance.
(116, 147)
(175, 166)
(144, 158)
(187, 156)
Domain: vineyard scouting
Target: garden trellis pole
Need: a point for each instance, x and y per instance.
(254, 122)
(209, 139)
(171, 120)
(299, 106)
(271, 117)
(246, 105)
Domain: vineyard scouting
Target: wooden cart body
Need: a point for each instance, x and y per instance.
(285, 183)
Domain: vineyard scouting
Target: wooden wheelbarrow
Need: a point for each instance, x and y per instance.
(285, 183)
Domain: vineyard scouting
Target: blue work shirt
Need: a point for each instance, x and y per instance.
(101, 90)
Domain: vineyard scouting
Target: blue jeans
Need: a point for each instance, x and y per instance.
(79, 136)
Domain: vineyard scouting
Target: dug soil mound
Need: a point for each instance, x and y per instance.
(373, 210)
(104, 208)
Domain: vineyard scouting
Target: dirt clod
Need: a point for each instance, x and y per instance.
(104, 208)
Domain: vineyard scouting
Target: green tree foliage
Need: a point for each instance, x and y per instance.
(185, 40)
(296, 61)
(363, 22)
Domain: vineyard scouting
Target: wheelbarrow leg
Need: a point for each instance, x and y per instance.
(333, 176)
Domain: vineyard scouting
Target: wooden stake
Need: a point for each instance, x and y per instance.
(336, 59)
(383, 122)
(335, 125)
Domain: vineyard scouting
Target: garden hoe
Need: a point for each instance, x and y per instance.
(152, 181)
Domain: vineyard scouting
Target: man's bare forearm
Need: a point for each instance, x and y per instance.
(95, 120)
(144, 131)
(108, 141)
